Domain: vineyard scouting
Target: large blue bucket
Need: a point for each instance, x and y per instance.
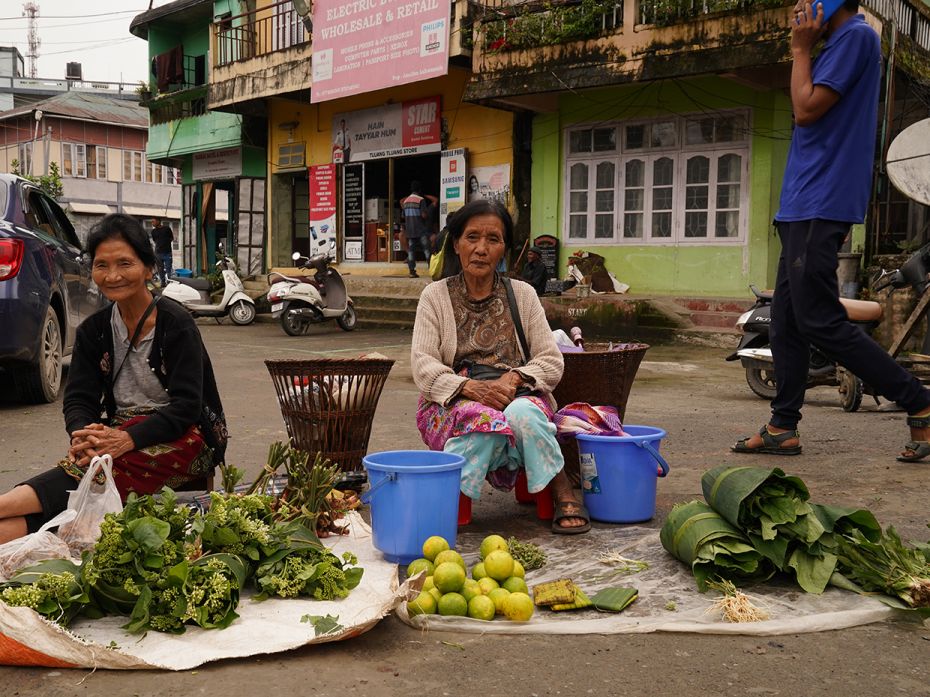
(414, 494)
(618, 474)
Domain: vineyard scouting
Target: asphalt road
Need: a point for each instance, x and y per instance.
(702, 402)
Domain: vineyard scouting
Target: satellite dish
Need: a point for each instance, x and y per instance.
(908, 162)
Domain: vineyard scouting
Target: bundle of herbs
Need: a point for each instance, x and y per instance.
(53, 588)
(885, 565)
(310, 495)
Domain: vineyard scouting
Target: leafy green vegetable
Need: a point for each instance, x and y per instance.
(52, 588)
(238, 525)
(302, 566)
(886, 566)
(697, 535)
(323, 625)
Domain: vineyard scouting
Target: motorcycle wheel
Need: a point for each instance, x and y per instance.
(348, 320)
(242, 313)
(851, 390)
(293, 324)
(761, 381)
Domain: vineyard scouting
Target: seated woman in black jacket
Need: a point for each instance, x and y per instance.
(140, 388)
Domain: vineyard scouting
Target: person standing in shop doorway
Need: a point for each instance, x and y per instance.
(162, 237)
(417, 227)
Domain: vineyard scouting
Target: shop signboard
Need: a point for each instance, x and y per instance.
(366, 45)
(353, 201)
(392, 130)
(452, 183)
(323, 209)
(217, 164)
(490, 182)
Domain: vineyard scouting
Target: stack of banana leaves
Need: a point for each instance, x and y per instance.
(760, 521)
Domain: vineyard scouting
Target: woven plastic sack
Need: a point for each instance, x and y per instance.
(91, 501)
(35, 547)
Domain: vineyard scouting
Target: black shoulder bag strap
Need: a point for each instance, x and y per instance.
(515, 315)
(135, 336)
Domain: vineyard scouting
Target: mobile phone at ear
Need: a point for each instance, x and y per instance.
(829, 7)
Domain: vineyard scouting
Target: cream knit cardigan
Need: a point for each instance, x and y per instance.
(435, 341)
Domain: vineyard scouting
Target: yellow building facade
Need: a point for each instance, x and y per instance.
(309, 173)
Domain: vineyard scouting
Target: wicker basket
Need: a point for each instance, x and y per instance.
(328, 404)
(600, 378)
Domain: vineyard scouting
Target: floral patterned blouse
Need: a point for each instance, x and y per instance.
(484, 328)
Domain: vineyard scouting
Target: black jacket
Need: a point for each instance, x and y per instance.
(536, 274)
(179, 361)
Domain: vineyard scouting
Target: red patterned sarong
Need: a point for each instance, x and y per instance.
(148, 470)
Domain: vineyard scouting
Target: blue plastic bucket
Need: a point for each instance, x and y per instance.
(618, 474)
(414, 494)
(183, 273)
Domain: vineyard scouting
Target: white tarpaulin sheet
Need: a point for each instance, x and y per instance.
(668, 597)
(263, 627)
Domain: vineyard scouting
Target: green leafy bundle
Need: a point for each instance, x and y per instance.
(697, 535)
(239, 525)
(302, 566)
(772, 510)
(53, 588)
(885, 565)
(135, 549)
(204, 592)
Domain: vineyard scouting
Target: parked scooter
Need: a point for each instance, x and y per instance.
(194, 294)
(755, 352)
(302, 301)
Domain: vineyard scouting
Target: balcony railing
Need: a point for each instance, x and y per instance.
(258, 33)
(514, 24)
(509, 24)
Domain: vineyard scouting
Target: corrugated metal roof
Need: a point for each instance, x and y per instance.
(178, 11)
(88, 106)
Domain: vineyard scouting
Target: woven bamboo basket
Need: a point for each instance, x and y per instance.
(600, 378)
(328, 404)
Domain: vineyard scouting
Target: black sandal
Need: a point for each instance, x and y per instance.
(772, 444)
(920, 448)
(570, 509)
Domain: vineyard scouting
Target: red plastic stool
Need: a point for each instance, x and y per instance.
(545, 510)
(464, 509)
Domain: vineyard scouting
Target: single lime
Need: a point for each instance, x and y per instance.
(453, 604)
(490, 543)
(449, 577)
(433, 546)
(481, 607)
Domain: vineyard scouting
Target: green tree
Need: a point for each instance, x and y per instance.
(49, 183)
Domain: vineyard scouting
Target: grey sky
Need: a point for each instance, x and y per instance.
(94, 34)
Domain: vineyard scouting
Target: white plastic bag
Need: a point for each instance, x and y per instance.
(91, 502)
(33, 548)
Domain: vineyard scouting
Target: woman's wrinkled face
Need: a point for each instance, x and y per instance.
(118, 271)
(481, 246)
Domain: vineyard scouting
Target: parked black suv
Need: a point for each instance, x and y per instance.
(46, 289)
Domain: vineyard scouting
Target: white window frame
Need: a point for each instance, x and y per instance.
(75, 155)
(136, 161)
(101, 161)
(679, 155)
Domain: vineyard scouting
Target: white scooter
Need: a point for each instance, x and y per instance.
(302, 301)
(194, 294)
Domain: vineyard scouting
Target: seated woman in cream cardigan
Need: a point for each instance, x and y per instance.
(465, 329)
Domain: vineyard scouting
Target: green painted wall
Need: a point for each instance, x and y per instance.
(722, 270)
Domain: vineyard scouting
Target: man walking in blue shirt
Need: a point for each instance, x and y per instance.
(825, 191)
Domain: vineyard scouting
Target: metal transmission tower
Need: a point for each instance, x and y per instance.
(31, 10)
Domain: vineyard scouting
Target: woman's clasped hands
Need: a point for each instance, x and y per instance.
(98, 439)
(497, 394)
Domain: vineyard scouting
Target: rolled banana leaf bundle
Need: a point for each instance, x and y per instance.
(772, 509)
(699, 536)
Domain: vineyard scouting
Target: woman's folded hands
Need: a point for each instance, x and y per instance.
(497, 394)
(98, 439)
